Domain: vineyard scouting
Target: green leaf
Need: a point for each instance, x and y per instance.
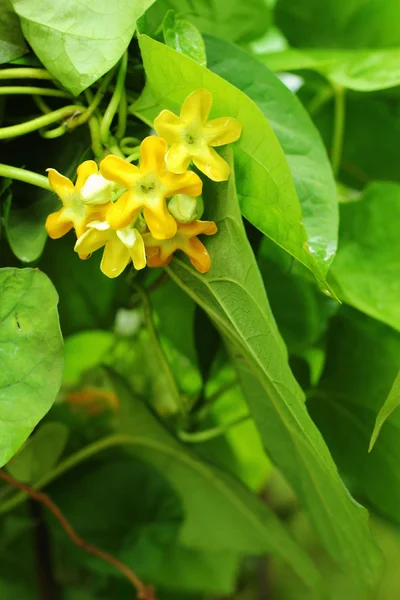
(79, 42)
(40, 453)
(366, 267)
(340, 23)
(233, 295)
(220, 513)
(31, 359)
(298, 136)
(391, 403)
(184, 37)
(362, 363)
(362, 70)
(12, 44)
(234, 20)
(265, 187)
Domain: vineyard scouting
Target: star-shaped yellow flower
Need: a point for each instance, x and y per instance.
(192, 137)
(120, 247)
(85, 201)
(159, 252)
(148, 187)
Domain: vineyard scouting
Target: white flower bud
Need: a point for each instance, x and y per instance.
(96, 190)
(186, 209)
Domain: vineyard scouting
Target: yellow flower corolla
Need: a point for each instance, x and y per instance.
(85, 201)
(148, 187)
(159, 252)
(193, 138)
(120, 247)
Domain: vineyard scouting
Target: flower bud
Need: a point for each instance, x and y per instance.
(186, 209)
(96, 190)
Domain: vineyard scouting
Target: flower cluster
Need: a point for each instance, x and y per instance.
(144, 214)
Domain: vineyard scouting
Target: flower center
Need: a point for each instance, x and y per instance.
(148, 185)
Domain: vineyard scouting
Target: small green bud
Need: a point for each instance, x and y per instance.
(186, 209)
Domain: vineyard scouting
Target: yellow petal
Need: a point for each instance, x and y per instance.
(187, 183)
(211, 164)
(123, 211)
(152, 155)
(197, 106)
(138, 253)
(91, 241)
(178, 159)
(198, 255)
(115, 258)
(117, 169)
(224, 130)
(62, 186)
(197, 228)
(85, 170)
(168, 125)
(58, 224)
(160, 222)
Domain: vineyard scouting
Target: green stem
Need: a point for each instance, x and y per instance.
(197, 437)
(42, 105)
(97, 146)
(20, 89)
(321, 97)
(51, 134)
(67, 464)
(122, 116)
(25, 176)
(159, 350)
(115, 101)
(338, 128)
(39, 122)
(25, 73)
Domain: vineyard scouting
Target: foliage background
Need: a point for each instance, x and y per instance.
(285, 356)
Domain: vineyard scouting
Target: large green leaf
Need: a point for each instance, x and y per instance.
(391, 403)
(184, 37)
(298, 136)
(233, 295)
(340, 23)
(362, 70)
(12, 44)
(31, 354)
(265, 186)
(234, 20)
(361, 366)
(220, 513)
(367, 266)
(79, 41)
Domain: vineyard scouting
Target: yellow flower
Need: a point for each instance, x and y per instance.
(159, 252)
(148, 187)
(120, 247)
(192, 137)
(85, 201)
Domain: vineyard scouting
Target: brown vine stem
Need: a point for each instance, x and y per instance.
(143, 592)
